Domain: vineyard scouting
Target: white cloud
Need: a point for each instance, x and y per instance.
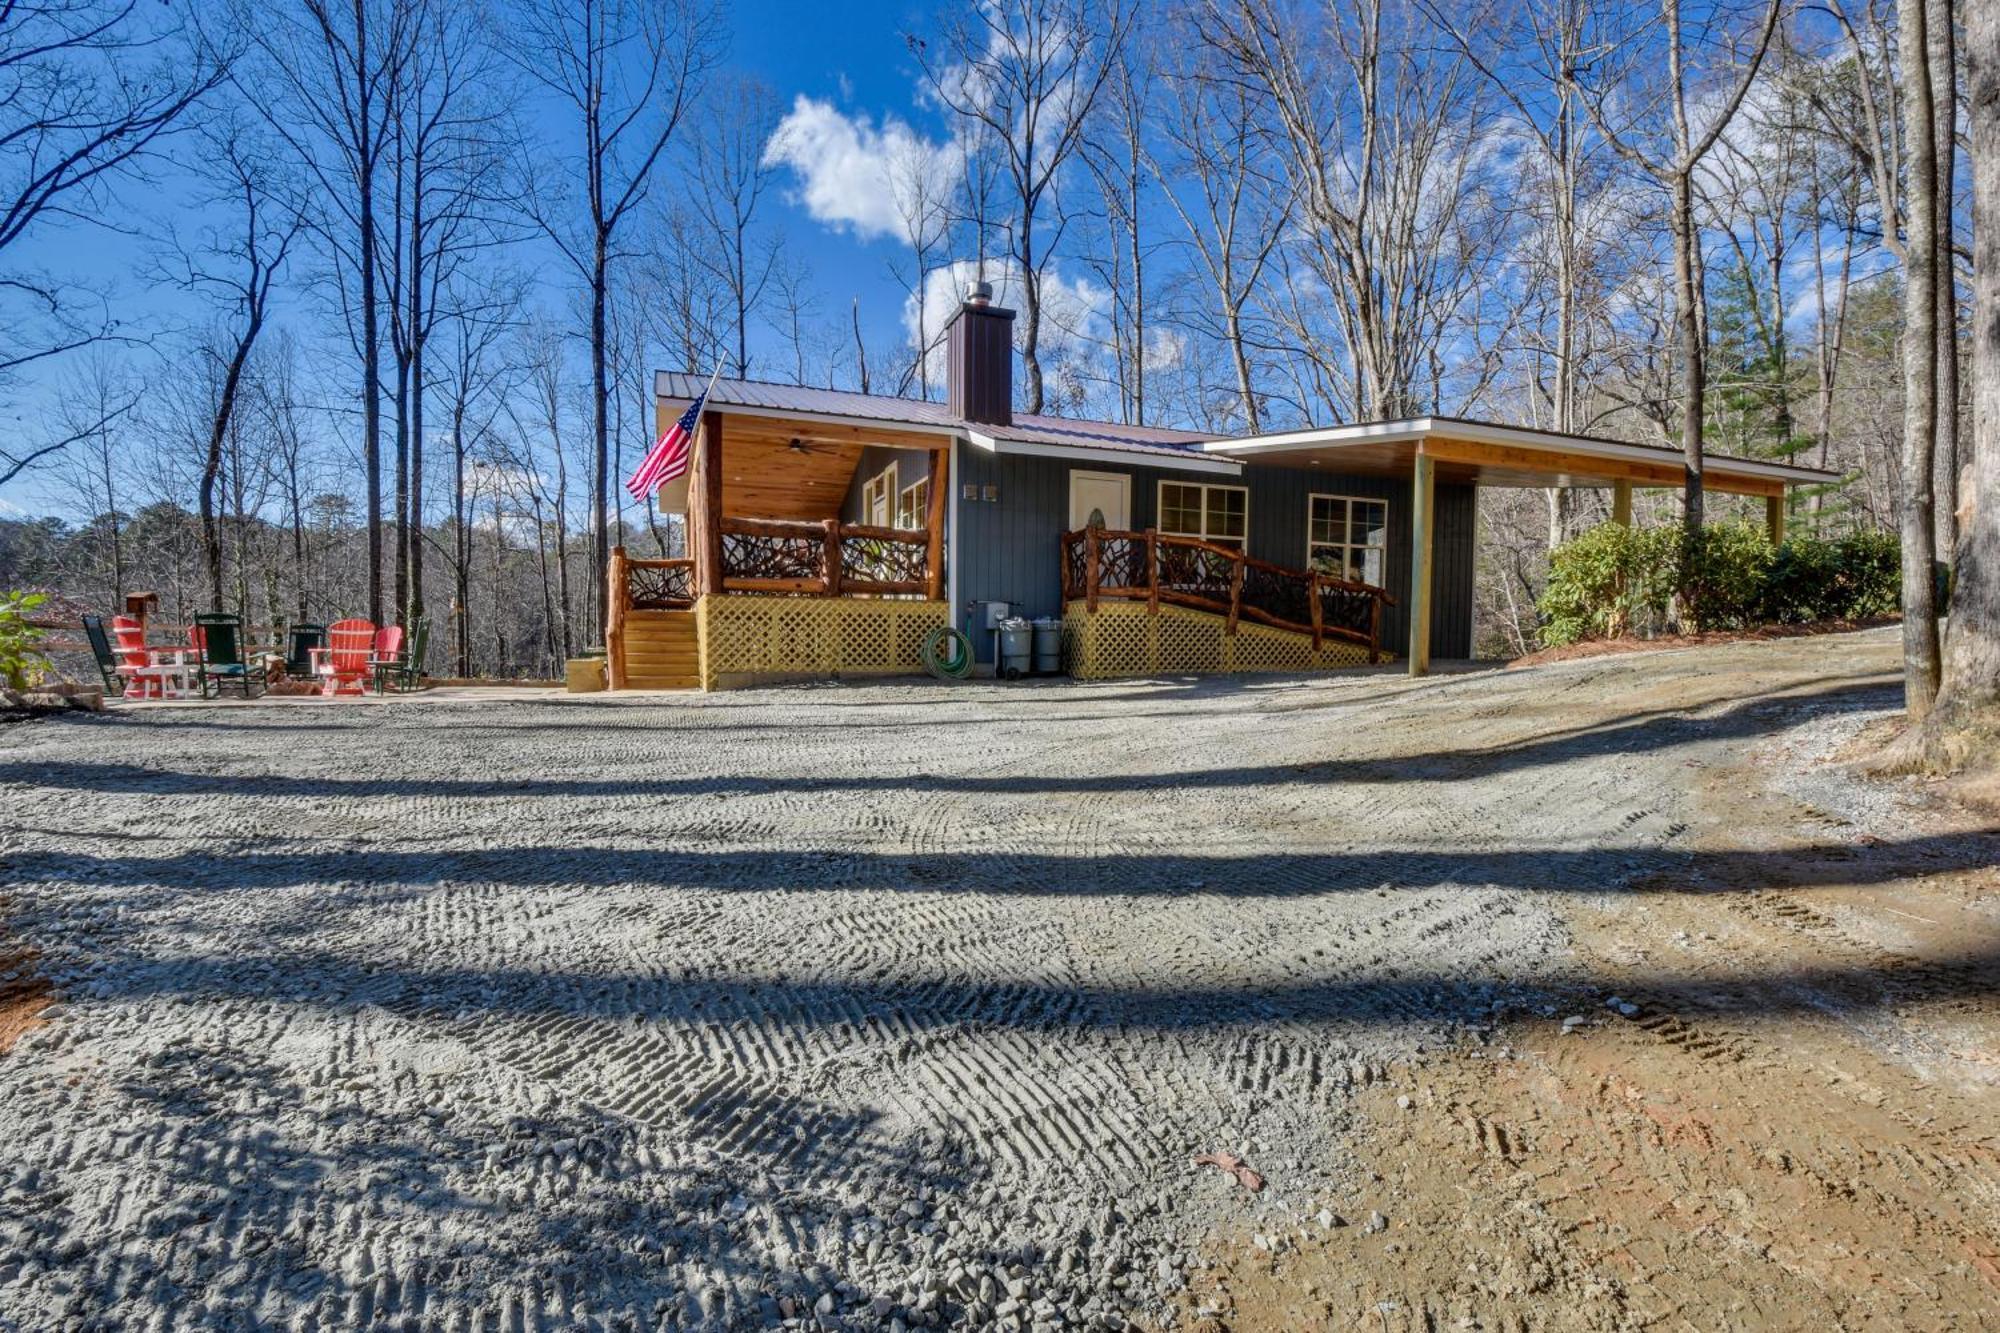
(1076, 313)
(873, 181)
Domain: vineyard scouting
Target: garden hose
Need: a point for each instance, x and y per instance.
(948, 654)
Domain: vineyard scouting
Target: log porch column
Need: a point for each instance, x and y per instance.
(1621, 503)
(1422, 515)
(1774, 517)
(935, 521)
(705, 508)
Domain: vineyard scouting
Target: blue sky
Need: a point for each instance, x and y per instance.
(851, 56)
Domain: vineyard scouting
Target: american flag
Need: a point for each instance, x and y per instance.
(669, 458)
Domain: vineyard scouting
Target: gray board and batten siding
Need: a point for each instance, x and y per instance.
(912, 466)
(1007, 546)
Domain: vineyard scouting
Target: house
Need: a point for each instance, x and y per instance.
(831, 532)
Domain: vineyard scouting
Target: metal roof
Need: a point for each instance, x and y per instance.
(1066, 437)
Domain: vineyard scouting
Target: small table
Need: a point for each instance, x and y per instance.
(166, 671)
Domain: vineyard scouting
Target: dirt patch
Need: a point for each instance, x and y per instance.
(1779, 1107)
(24, 993)
(1610, 647)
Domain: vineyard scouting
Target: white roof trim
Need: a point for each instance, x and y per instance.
(1083, 453)
(1417, 428)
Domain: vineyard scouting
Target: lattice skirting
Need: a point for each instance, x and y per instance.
(746, 638)
(1126, 639)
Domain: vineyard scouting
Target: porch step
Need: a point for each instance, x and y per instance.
(662, 651)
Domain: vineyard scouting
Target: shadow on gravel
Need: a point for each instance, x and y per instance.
(1025, 874)
(256, 1191)
(1635, 733)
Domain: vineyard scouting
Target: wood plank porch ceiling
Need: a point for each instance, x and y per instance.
(1467, 461)
(763, 476)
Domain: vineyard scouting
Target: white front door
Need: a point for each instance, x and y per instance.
(1109, 493)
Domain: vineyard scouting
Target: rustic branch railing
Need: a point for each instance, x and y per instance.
(1157, 567)
(829, 559)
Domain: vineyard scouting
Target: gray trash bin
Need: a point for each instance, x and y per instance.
(1017, 643)
(1048, 647)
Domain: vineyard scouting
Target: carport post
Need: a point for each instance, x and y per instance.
(1422, 514)
(1774, 517)
(1621, 503)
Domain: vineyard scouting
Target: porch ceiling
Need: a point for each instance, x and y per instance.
(764, 476)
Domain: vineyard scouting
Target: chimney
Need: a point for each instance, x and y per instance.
(979, 350)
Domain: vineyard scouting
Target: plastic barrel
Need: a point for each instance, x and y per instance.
(1048, 647)
(1017, 646)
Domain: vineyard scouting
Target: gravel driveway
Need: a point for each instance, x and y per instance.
(898, 1005)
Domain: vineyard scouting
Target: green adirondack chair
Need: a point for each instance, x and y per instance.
(100, 648)
(218, 640)
(299, 644)
(407, 671)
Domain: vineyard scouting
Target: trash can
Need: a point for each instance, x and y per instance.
(1048, 647)
(1017, 646)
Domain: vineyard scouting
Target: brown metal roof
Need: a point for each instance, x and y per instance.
(1028, 428)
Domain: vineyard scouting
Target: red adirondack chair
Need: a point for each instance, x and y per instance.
(388, 653)
(342, 666)
(149, 673)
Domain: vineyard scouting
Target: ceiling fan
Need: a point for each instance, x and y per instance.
(801, 446)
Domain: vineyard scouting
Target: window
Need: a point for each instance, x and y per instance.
(875, 497)
(913, 504)
(1220, 514)
(1348, 537)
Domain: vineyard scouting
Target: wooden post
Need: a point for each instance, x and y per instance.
(1374, 630)
(935, 521)
(830, 559)
(1152, 571)
(1774, 518)
(1090, 570)
(1235, 593)
(1318, 614)
(1422, 513)
(1621, 502)
(705, 500)
(616, 594)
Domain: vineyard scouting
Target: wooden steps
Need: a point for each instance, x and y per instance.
(661, 651)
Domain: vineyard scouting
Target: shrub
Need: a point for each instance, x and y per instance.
(21, 662)
(1612, 581)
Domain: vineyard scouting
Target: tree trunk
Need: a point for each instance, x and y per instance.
(600, 529)
(1943, 48)
(1687, 322)
(1968, 711)
(1920, 378)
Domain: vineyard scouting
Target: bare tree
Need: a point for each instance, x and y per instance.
(1214, 168)
(1116, 156)
(627, 70)
(340, 65)
(236, 265)
(1922, 263)
(89, 91)
(1671, 155)
(1028, 73)
(728, 180)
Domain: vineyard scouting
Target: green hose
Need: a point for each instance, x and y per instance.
(948, 654)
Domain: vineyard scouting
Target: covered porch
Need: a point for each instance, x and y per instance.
(777, 519)
(1430, 451)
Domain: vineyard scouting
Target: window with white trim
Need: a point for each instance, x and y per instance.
(1220, 514)
(913, 504)
(877, 497)
(1348, 537)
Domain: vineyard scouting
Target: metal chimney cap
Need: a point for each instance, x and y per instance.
(978, 293)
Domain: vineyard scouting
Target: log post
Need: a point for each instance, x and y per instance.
(830, 559)
(935, 521)
(1374, 629)
(1318, 614)
(1621, 503)
(1774, 518)
(1090, 570)
(1423, 492)
(1152, 571)
(616, 595)
(705, 502)
(1235, 593)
